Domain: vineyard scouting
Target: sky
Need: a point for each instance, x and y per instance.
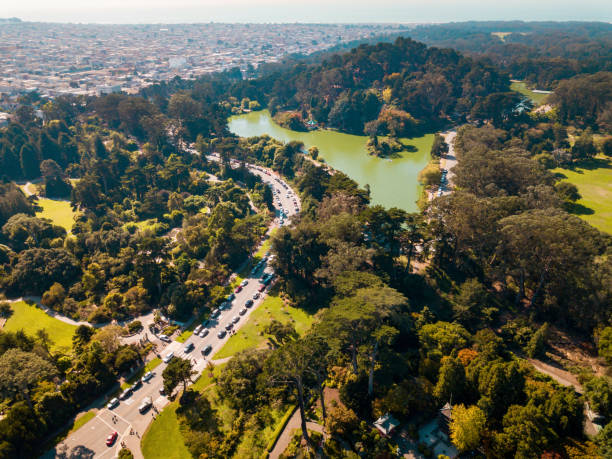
(173, 11)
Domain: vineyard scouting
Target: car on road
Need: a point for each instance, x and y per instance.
(197, 330)
(243, 311)
(215, 313)
(125, 394)
(113, 403)
(164, 338)
(188, 348)
(231, 297)
(137, 385)
(148, 375)
(145, 404)
(206, 350)
(204, 333)
(238, 289)
(168, 357)
(221, 334)
(235, 319)
(245, 282)
(262, 287)
(256, 295)
(110, 440)
(229, 326)
(248, 303)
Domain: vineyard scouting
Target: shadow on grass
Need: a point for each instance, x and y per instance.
(578, 209)
(587, 164)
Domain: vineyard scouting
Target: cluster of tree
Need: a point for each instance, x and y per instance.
(398, 89)
(586, 100)
(134, 186)
(507, 225)
(42, 388)
(542, 53)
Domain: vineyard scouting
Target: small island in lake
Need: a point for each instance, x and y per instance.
(387, 147)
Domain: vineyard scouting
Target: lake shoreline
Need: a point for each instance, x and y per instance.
(393, 181)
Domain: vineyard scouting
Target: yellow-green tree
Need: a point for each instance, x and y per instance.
(466, 427)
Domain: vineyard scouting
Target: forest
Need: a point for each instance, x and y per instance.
(412, 311)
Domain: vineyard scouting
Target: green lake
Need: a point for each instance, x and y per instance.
(393, 182)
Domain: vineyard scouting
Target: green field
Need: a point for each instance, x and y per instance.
(251, 335)
(594, 182)
(59, 212)
(501, 35)
(30, 319)
(536, 97)
(163, 438)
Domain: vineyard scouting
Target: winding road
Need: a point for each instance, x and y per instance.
(90, 439)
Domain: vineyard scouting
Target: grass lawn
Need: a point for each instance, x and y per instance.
(30, 319)
(251, 335)
(205, 379)
(594, 182)
(59, 212)
(501, 35)
(163, 438)
(536, 97)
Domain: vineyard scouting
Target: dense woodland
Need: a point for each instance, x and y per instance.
(412, 310)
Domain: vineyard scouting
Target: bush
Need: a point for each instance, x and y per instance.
(537, 344)
(280, 427)
(134, 327)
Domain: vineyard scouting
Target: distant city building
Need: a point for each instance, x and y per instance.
(90, 59)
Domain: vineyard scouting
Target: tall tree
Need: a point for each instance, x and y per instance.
(21, 371)
(178, 371)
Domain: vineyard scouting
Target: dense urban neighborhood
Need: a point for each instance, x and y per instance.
(306, 240)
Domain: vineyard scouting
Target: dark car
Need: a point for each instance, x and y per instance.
(262, 287)
(249, 303)
(229, 326)
(207, 350)
(221, 334)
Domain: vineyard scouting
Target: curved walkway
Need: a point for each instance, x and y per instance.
(285, 437)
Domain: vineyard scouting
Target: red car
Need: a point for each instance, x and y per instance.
(262, 287)
(110, 440)
(238, 289)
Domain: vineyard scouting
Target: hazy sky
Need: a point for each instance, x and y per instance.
(138, 11)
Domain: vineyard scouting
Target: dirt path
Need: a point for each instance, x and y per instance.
(563, 377)
(285, 438)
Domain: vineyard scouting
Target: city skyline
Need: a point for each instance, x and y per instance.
(313, 11)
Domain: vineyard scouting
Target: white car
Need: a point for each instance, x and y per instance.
(168, 357)
(113, 403)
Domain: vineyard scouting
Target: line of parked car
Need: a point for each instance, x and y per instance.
(128, 392)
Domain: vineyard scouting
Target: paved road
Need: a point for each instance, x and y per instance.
(91, 438)
(449, 161)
